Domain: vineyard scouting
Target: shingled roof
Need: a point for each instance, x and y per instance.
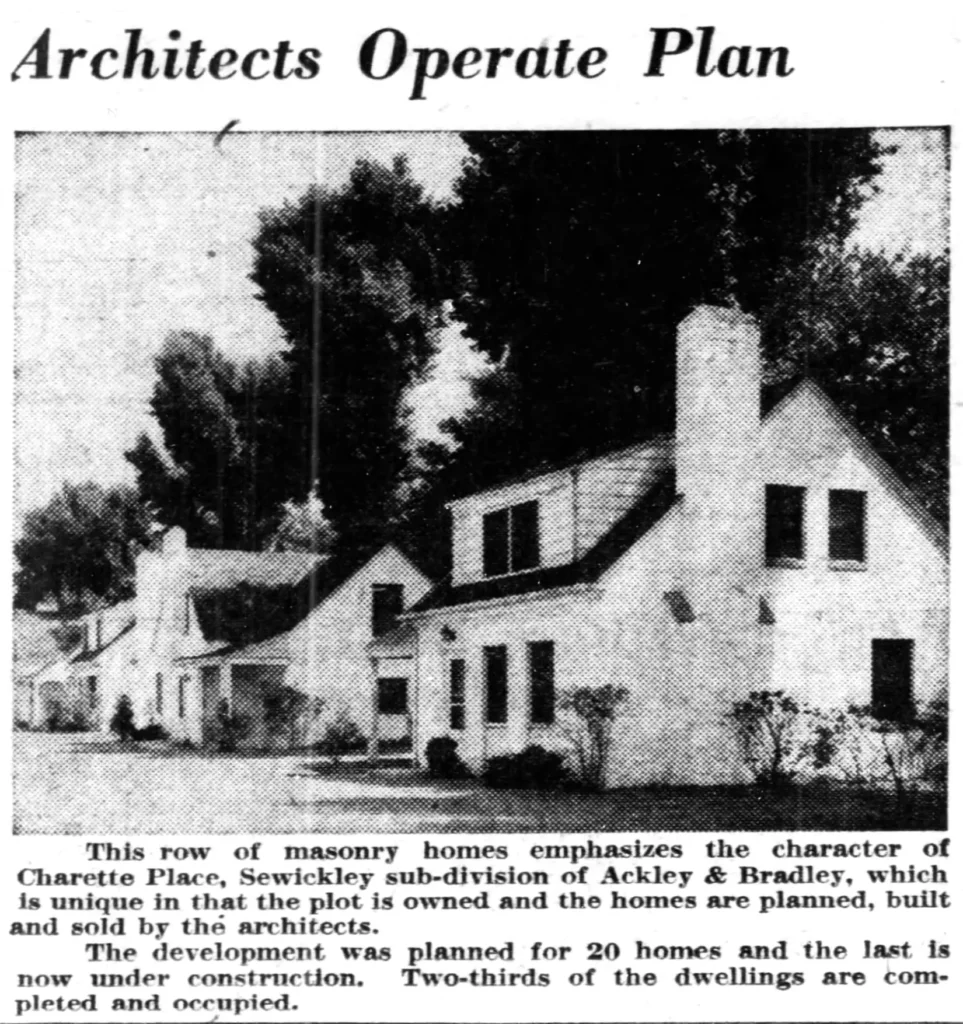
(236, 608)
(637, 521)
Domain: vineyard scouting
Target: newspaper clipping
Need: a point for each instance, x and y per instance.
(479, 514)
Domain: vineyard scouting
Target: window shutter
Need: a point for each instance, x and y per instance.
(496, 684)
(525, 546)
(495, 542)
(541, 673)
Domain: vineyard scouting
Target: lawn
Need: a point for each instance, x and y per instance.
(84, 784)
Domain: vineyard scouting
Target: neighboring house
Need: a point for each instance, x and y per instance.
(747, 551)
(277, 638)
(104, 667)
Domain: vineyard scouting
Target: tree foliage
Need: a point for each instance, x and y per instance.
(354, 277)
(78, 549)
(216, 473)
(581, 251)
(874, 330)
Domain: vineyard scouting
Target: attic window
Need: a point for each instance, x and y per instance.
(679, 606)
(510, 539)
(387, 603)
(847, 526)
(785, 519)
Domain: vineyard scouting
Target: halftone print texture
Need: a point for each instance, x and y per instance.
(481, 482)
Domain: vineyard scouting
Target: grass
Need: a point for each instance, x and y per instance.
(90, 784)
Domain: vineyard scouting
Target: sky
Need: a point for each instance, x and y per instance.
(122, 238)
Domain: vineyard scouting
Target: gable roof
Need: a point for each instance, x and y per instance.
(86, 657)
(249, 612)
(637, 521)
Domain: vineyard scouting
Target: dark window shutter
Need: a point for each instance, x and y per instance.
(392, 696)
(387, 603)
(541, 673)
(496, 684)
(457, 695)
(495, 542)
(847, 525)
(785, 519)
(525, 546)
(893, 679)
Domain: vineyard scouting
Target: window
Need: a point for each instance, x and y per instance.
(393, 696)
(496, 685)
(159, 693)
(892, 679)
(456, 678)
(187, 613)
(510, 539)
(387, 603)
(785, 517)
(100, 632)
(92, 693)
(847, 526)
(541, 677)
(182, 696)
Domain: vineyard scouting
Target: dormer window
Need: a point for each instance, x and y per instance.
(847, 526)
(785, 525)
(510, 539)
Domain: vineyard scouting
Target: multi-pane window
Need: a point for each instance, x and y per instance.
(182, 696)
(496, 685)
(393, 696)
(92, 692)
(541, 678)
(387, 603)
(785, 522)
(510, 539)
(159, 693)
(847, 526)
(456, 680)
(893, 679)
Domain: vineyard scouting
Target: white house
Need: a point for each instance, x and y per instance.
(279, 638)
(743, 552)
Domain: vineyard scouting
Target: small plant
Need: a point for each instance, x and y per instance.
(341, 736)
(230, 729)
(441, 757)
(122, 722)
(592, 713)
(768, 726)
(533, 768)
(283, 710)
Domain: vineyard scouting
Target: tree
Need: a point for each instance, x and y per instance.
(581, 251)
(355, 279)
(78, 548)
(219, 473)
(590, 714)
(874, 329)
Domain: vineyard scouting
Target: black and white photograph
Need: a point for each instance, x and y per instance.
(429, 482)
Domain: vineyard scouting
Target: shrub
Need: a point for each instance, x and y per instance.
(230, 728)
(122, 722)
(341, 736)
(283, 710)
(60, 721)
(769, 727)
(441, 756)
(151, 732)
(592, 713)
(533, 768)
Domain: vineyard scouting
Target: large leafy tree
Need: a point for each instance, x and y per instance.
(581, 251)
(78, 549)
(218, 472)
(874, 330)
(355, 279)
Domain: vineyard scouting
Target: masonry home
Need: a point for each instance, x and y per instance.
(751, 550)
